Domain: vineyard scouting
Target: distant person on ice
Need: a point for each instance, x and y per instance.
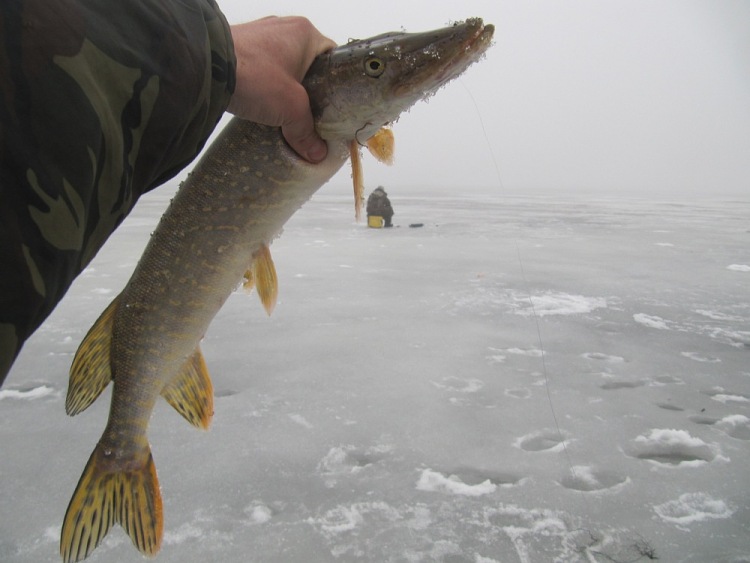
(379, 205)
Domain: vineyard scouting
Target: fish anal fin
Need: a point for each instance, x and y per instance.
(90, 372)
(264, 276)
(357, 178)
(191, 393)
(109, 491)
(382, 145)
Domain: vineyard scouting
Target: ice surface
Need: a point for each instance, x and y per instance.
(523, 379)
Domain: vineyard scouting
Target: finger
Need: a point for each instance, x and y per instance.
(299, 131)
(316, 43)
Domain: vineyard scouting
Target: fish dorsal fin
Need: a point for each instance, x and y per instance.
(382, 146)
(263, 275)
(191, 393)
(90, 372)
(357, 178)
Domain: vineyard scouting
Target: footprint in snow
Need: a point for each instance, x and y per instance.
(724, 396)
(700, 358)
(660, 381)
(615, 385)
(590, 479)
(737, 426)
(666, 380)
(672, 448)
(691, 508)
(459, 385)
(669, 407)
(703, 419)
(546, 440)
(348, 460)
(600, 357)
(518, 393)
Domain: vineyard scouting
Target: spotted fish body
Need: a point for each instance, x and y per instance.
(217, 229)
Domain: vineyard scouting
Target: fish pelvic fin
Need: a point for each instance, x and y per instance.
(248, 280)
(90, 372)
(191, 393)
(357, 178)
(263, 274)
(107, 493)
(382, 145)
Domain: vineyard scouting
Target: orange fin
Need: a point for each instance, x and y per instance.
(248, 280)
(357, 179)
(107, 495)
(191, 393)
(381, 145)
(90, 372)
(264, 276)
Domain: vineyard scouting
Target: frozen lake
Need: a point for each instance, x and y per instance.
(522, 379)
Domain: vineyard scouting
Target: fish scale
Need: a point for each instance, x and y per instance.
(216, 230)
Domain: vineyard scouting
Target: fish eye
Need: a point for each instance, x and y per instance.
(374, 66)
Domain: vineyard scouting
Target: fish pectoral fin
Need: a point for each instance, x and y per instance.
(90, 372)
(191, 393)
(382, 145)
(357, 178)
(264, 276)
(104, 496)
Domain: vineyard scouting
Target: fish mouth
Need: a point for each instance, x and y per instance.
(439, 57)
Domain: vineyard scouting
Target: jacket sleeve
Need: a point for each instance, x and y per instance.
(100, 101)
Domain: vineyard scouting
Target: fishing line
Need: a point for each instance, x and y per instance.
(528, 296)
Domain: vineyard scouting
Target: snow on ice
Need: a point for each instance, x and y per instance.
(690, 508)
(434, 481)
(417, 397)
(739, 267)
(27, 394)
(651, 321)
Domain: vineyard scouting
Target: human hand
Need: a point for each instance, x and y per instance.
(273, 55)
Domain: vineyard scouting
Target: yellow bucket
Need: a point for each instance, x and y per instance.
(375, 221)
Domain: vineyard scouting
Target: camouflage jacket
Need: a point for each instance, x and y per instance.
(100, 101)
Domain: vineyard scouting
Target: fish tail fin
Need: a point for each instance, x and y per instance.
(90, 372)
(191, 392)
(265, 278)
(106, 495)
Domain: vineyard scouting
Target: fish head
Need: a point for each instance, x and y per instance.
(357, 88)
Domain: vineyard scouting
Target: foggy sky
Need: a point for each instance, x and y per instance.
(604, 97)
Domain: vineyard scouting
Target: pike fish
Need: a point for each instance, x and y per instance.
(216, 232)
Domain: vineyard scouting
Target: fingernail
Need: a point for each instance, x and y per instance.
(317, 152)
